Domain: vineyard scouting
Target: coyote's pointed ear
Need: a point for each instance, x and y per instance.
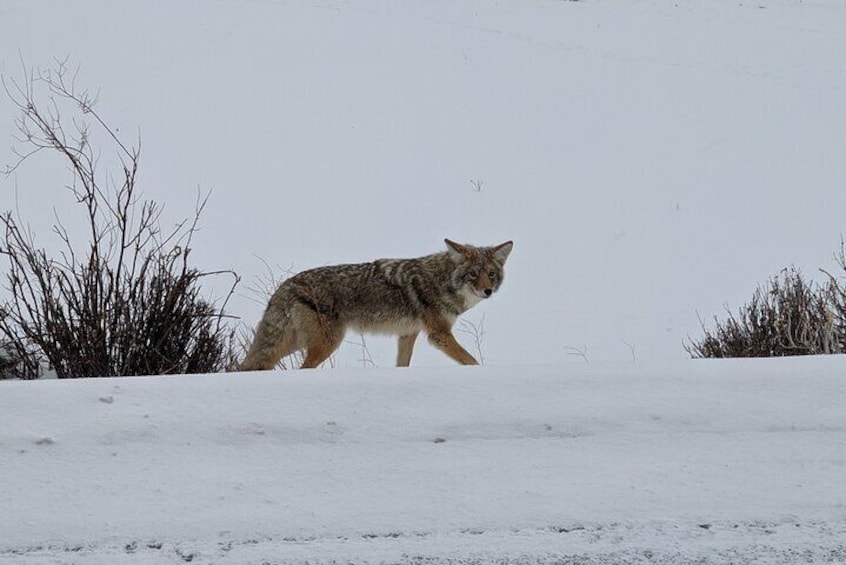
(456, 250)
(502, 251)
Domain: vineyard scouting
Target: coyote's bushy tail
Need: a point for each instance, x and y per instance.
(275, 337)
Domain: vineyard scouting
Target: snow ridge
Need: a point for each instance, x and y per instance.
(708, 462)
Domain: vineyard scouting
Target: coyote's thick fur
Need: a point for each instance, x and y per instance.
(312, 310)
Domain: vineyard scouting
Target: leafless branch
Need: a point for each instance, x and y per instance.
(125, 302)
(577, 352)
(632, 348)
(477, 332)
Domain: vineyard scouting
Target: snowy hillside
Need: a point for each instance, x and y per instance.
(722, 462)
(652, 160)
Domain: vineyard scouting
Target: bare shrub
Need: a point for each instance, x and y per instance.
(835, 293)
(787, 316)
(124, 302)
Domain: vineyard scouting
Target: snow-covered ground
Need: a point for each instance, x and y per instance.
(706, 462)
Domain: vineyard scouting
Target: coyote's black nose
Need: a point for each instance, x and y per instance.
(488, 292)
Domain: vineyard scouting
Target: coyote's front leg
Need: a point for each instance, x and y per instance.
(440, 336)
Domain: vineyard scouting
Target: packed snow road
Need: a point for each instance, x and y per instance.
(670, 544)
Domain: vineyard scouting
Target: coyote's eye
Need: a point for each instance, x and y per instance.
(492, 275)
(472, 273)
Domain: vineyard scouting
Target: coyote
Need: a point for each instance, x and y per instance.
(312, 310)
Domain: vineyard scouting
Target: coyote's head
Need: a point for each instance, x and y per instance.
(479, 270)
